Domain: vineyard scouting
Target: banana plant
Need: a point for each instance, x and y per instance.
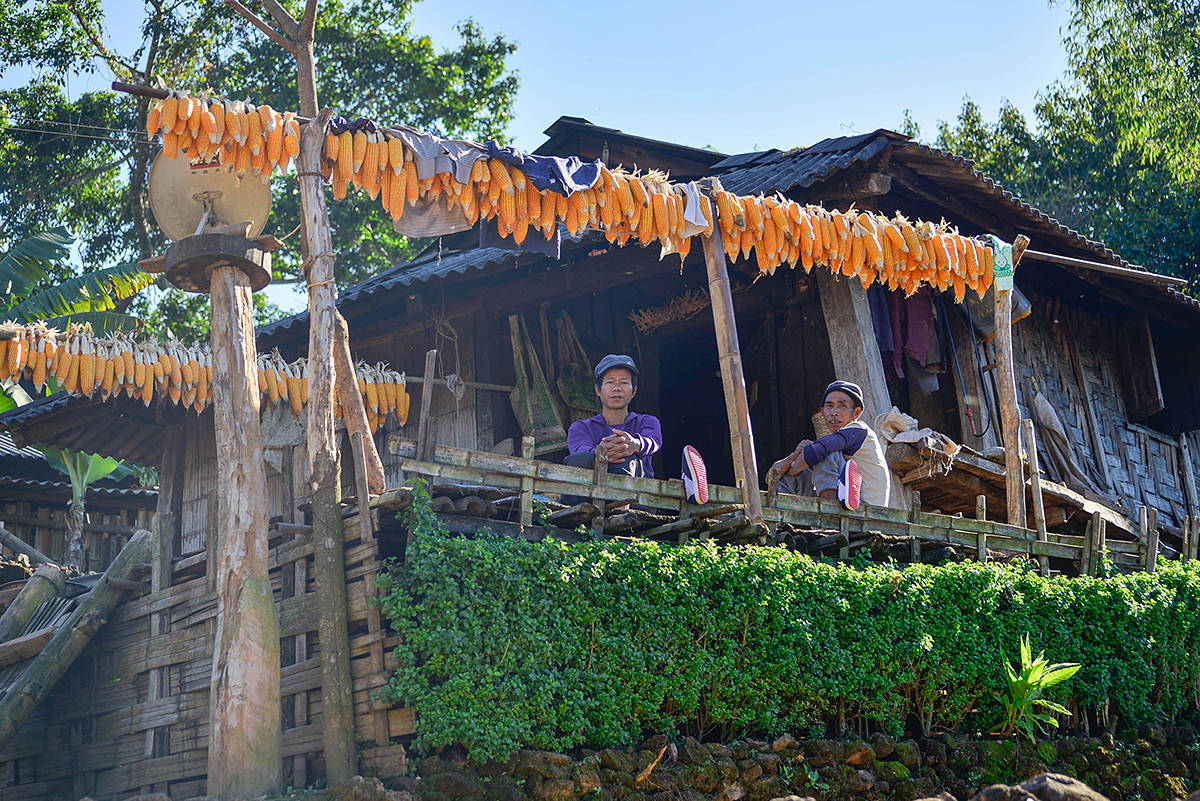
(83, 469)
(1025, 709)
(27, 295)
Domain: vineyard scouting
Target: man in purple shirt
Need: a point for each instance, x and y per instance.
(629, 440)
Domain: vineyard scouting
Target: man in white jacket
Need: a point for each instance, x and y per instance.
(816, 466)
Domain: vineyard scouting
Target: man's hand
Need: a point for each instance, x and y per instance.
(793, 464)
(620, 445)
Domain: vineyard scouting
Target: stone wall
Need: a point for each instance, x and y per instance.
(1157, 764)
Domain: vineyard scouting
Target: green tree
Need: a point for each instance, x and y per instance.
(84, 160)
(1113, 149)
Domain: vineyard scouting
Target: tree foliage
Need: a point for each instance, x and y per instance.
(1114, 147)
(83, 160)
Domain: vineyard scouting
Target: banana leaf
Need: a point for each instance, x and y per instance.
(25, 264)
(95, 291)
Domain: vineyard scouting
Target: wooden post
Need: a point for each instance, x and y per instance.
(245, 741)
(527, 444)
(1101, 538)
(424, 448)
(1010, 415)
(1189, 476)
(1035, 481)
(45, 583)
(1089, 547)
(981, 514)
(737, 407)
(914, 516)
(366, 525)
(35, 683)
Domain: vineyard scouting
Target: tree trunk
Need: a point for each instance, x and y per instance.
(245, 744)
(39, 678)
(76, 514)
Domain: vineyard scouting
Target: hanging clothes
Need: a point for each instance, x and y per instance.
(881, 320)
(554, 173)
(914, 332)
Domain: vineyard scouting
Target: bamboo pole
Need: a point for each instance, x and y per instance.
(38, 679)
(245, 740)
(1035, 481)
(45, 583)
(737, 407)
(18, 545)
(1010, 415)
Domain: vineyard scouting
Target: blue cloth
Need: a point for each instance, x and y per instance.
(585, 435)
(846, 441)
(554, 173)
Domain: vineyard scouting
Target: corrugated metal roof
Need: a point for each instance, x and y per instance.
(31, 411)
(9, 448)
(778, 171)
(93, 491)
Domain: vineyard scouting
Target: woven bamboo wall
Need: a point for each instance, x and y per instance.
(131, 715)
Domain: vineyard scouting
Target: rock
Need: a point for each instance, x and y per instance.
(784, 744)
(693, 752)
(1057, 787)
(892, 771)
(454, 784)
(734, 792)
(359, 788)
(149, 797)
(884, 746)
(749, 770)
(193, 798)
(1194, 796)
(939, 797)
(823, 752)
(702, 778)
(1002, 792)
(794, 798)
(587, 779)
(768, 762)
(654, 743)
(503, 788)
(935, 752)
(546, 764)
(859, 754)
(426, 794)
(616, 778)
(727, 768)
(907, 753)
(618, 760)
(766, 787)
(1153, 733)
(719, 750)
(553, 789)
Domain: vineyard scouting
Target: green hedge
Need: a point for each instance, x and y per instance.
(508, 643)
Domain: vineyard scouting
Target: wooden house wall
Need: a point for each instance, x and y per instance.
(41, 522)
(131, 714)
(1143, 465)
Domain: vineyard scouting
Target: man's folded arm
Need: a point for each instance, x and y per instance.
(847, 440)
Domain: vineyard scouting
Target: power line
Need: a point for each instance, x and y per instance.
(40, 121)
(114, 140)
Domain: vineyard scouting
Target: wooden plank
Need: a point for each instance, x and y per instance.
(1092, 427)
(527, 446)
(424, 450)
(733, 379)
(18, 649)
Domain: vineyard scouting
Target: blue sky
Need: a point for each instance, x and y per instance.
(743, 76)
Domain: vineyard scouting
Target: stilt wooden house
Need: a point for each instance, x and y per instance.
(1105, 347)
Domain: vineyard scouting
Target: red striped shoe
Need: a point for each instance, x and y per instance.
(850, 485)
(695, 477)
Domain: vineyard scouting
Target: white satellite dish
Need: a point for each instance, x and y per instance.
(189, 198)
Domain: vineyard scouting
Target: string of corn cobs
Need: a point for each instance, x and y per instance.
(83, 363)
(623, 205)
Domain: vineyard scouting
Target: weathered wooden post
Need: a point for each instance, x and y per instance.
(737, 407)
(245, 726)
(1010, 415)
(1035, 481)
